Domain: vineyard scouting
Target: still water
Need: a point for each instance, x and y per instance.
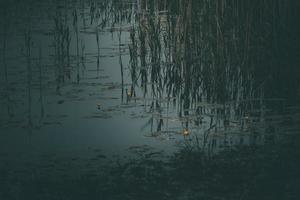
(153, 99)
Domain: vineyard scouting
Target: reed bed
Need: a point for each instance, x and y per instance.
(214, 51)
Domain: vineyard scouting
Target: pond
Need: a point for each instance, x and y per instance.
(137, 99)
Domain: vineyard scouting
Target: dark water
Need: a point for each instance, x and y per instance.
(172, 99)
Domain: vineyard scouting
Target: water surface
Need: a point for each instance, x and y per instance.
(132, 99)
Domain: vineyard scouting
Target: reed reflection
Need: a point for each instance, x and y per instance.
(218, 62)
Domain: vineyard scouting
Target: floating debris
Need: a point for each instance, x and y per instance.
(186, 132)
(129, 93)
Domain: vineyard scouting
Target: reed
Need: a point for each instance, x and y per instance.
(121, 64)
(76, 28)
(40, 67)
(62, 42)
(98, 51)
(28, 49)
(214, 51)
(5, 26)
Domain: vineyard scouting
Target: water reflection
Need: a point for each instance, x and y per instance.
(213, 67)
(219, 80)
(218, 63)
(146, 174)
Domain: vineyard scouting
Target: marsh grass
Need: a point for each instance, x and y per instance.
(98, 51)
(40, 67)
(62, 42)
(218, 59)
(215, 51)
(76, 28)
(121, 65)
